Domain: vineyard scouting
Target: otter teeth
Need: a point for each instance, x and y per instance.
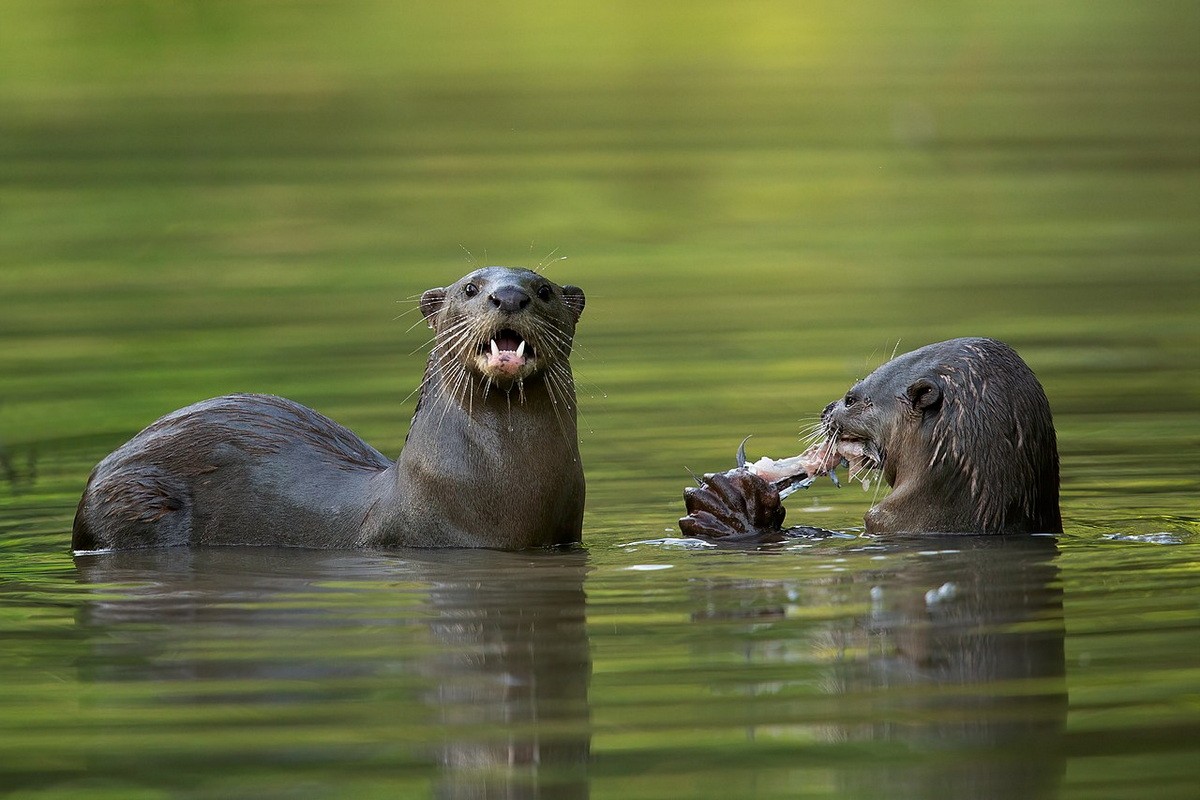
(509, 360)
(496, 348)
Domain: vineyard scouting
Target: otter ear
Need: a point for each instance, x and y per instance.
(431, 303)
(924, 394)
(573, 297)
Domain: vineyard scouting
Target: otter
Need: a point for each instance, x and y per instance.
(961, 430)
(491, 458)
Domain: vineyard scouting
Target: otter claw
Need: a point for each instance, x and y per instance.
(733, 505)
(746, 500)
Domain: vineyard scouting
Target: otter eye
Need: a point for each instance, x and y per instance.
(470, 290)
(544, 293)
(850, 399)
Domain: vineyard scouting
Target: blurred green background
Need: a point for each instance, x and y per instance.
(762, 200)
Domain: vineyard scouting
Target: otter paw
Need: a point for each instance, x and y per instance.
(733, 505)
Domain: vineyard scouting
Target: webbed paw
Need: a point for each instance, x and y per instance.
(733, 505)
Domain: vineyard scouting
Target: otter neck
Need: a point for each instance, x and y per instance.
(520, 408)
(510, 457)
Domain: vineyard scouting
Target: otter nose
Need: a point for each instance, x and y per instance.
(509, 299)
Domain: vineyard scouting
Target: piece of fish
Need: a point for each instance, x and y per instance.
(797, 472)
(745, 503)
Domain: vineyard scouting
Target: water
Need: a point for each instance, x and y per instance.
(761, 207)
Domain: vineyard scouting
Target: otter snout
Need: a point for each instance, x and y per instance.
(509, 299)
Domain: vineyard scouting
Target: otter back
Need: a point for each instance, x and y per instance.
(491, 459)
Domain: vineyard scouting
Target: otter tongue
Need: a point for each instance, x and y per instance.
(506, 355)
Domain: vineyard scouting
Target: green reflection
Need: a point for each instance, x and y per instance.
(762, 202)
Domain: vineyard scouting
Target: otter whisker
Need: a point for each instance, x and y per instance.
(453, 330)
(547, 260)
(561, 369)
(452, 379)
(457, 325)
(563, 376)
(590, 388)
(878, 487)
(450, 344)
(810, 431)
(450, 389)
(408, 311)
(812, 438)
(548, 329)
(451, 333)
(551, 340)
(428, 342)
(552, 391)
(468, 395)
(464, 397)
(416, 324)
(458, 379)
(563, 381)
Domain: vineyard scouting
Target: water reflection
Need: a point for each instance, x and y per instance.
(953, 672)
(902, 668)
(470, 667)
(964, 668)
(18, 476)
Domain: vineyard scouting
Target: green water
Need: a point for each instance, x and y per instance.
(762, 201)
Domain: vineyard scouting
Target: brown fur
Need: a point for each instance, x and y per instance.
(480, 468)
(963, 433)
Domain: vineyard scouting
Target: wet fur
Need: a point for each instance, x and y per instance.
(480, 467)
(965, 437)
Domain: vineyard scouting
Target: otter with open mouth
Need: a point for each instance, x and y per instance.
(491, 459)
(961, 430)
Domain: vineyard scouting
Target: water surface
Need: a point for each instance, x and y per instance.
(761, 206)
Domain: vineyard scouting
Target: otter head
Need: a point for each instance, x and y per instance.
(877, 423)
(962, 432)
(503, 326)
